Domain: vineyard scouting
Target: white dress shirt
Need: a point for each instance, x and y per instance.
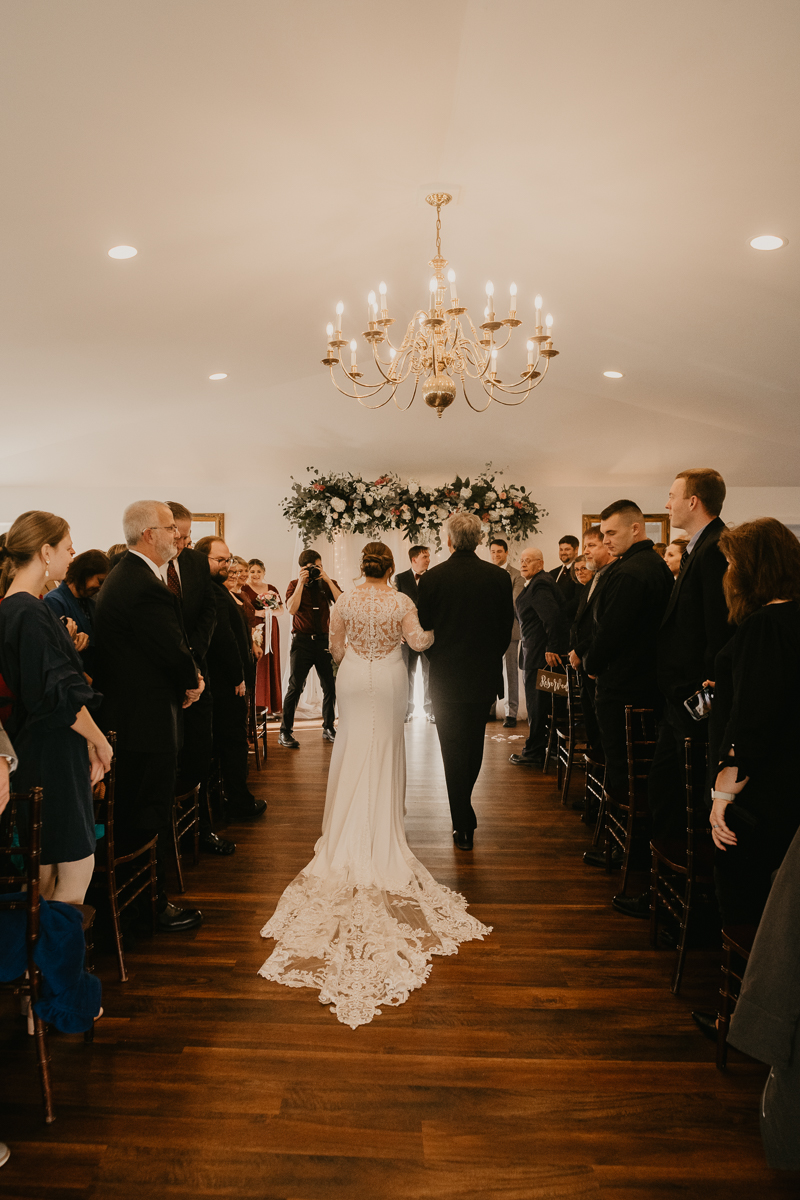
(157, 571)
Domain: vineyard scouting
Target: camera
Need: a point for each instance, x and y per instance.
(313, 573)
(699, 704)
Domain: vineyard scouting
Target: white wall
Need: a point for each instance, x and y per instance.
(255, 528)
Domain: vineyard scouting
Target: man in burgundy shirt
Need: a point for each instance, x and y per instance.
(309, 599)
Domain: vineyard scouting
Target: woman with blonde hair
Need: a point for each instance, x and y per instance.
(362, 919)
(59, 746)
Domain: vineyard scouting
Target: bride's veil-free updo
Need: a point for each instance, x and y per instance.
(376, 560)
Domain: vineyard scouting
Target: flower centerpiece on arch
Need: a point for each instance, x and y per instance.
(346, 503)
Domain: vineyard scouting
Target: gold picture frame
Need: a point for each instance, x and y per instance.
(654, 523)
(215, 519)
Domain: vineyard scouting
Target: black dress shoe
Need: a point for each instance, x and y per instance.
(217, 845)
(247, 810)
(597, 858)
(510, 723)
(175, 920)
(522, 760)
(463, 838)
(285, 739)
(329, 735)
(707, 1024)
(633, 906)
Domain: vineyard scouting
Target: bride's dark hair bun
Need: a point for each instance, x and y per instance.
(376, 560)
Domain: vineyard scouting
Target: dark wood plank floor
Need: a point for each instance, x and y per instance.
(550, 1060)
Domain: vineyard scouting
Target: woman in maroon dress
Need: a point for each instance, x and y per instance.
(268, 669)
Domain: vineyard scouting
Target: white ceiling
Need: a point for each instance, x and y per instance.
(269, 159)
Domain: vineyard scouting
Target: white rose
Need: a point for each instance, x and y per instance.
(361, 488)
(465, 493)
(413, 487)
(442, 513)
(491, 496)
(494, 516)
(338, 504)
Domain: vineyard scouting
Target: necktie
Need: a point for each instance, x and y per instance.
(593, 585)
(417, 577)
(684, 559)
(173, 583)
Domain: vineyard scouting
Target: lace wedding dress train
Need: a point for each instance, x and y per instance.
(362, 920)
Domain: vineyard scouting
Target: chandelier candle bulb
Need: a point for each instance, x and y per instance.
(382, 290)
(530, 353)
(538, 303)
(549, 323)
(451, 275)
(339, 311)
(513, 300)
(353, 353)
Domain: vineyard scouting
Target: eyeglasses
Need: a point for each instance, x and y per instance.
(214, 558)
(171, 528)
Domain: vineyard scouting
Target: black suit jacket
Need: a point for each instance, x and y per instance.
(543, 624)
(230, 657)
(695, 625)
(407, 584)
(198, 603)
(629, 612)
(468, 604)
(144, 662)
(582, 631)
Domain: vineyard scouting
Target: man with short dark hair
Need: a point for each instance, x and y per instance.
(231, 671)
(407, 582)
(622, 654)
(309, 599)
(498, 552)
(541, 611)
(695, 627)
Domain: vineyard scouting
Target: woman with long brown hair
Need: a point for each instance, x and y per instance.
(60, 747)
(755, 716)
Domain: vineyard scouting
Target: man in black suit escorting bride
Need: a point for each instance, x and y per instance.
(468, 604)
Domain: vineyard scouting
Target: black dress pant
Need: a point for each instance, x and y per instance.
(461, 729)
(610, 711)
(666, 785)
(588, 689)
(194, 760)
(538, 705)
(143, 797)
(231, 746)
(743, 873)
(309, 651)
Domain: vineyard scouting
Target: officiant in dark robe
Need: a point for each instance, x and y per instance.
(468, 604)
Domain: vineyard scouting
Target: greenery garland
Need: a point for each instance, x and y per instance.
(345, 503)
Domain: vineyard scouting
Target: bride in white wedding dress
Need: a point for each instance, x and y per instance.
(363, 918)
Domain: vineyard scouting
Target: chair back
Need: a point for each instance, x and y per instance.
(104, 799)
(23, 816)
(698, 830)
(640, 742)
(574, 705)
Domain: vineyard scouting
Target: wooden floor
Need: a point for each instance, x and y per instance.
(550, 1060)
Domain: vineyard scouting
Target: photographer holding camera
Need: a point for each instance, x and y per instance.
(309, 599)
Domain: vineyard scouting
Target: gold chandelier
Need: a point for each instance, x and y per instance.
(436, 347)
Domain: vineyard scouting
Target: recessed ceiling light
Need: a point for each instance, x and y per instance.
(123, 252)
(219, 375)
(768, 241)
(613, 374)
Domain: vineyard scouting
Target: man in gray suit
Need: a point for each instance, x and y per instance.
(498, 549)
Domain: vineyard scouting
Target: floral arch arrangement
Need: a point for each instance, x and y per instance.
(344, 503)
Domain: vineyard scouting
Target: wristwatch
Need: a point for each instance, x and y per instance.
(729, 796)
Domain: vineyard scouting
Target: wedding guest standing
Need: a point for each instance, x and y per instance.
(269, 693)
(148, 675)
(622, 655)
(599, 557)
(468, 605)
(541, 611)
(75, 598)
(309, 599)
(59, 745)
(674, 553)
(407, 582)
(8, 765)
(189, 579)
(498, 552)
(231, 669)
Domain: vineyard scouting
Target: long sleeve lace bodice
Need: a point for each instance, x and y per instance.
(374, 621)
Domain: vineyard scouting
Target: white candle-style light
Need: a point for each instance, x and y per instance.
(339, 311)
(489, 297)
(353, 353)
(370, 305)
(513, 301)
(549, 323)
(538, 304)
(329, 330)
(433, 285)
(382, 290)
(494, 362)
(530, 352)
(451, 275)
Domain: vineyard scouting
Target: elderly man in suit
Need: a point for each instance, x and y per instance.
(541, 610)
(467, 603)
(694, 628)
(498, 552)
(147, 675)
(407, 582)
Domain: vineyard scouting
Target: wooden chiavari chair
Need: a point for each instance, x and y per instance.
(571, 739)
(623, 815)
(186, 820)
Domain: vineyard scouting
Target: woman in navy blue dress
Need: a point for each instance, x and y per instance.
(60, 748)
